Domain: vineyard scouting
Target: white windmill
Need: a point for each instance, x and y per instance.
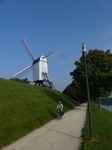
(40, 69)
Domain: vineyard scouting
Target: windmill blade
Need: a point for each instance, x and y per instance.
(49, 54)
(21, 71)
(28, 49)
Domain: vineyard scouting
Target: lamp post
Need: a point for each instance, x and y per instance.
(89, 108)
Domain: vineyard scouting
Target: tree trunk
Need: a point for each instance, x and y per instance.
(94, 101)
(99, 104)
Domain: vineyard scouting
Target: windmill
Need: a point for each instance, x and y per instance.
(40, 69)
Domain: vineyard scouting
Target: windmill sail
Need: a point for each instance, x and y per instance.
(20, 72)
(28, 49)
(49, 54)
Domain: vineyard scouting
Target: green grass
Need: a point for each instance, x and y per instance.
(24, 108)
(102, 130)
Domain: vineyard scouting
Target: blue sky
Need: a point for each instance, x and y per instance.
(59, 26)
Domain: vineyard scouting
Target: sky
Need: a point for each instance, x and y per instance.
(60, 26)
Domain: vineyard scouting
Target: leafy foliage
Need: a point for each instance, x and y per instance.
(99, 70)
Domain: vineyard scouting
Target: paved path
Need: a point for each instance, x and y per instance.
(64, 134)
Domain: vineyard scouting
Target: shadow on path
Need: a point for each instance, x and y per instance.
(61, 132)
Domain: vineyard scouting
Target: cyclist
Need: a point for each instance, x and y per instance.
(60, 108)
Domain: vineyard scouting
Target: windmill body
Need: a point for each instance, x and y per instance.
(40, 69)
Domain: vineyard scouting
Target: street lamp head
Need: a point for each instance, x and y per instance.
(83, 47)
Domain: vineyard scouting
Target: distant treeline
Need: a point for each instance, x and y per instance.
(21, 80)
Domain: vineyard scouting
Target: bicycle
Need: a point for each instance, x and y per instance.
(59, 114)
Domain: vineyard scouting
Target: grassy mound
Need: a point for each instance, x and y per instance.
(24, 108)
(102, 130)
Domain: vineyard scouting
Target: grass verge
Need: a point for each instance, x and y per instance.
(102, 130)
(24, 107)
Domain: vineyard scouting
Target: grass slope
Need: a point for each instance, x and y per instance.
(24, 108)
(102, 130)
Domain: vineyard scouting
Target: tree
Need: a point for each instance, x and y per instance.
(74, 91)
(99, 69)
